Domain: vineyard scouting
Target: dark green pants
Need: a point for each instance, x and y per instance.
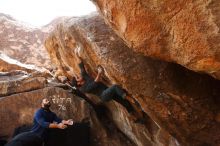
(116, 93)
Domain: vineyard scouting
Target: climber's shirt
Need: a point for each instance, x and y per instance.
(90, 86)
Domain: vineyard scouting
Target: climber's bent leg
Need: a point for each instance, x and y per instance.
(108, 94)
(111, 92)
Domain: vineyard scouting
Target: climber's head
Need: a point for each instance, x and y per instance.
(78, 81)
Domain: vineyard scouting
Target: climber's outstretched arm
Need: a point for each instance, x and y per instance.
(78, 58)
(100, 70)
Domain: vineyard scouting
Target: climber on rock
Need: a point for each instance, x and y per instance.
(44, 119)
(87, 84)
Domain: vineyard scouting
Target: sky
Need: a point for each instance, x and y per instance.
(41, 12)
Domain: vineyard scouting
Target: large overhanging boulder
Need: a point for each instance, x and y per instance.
(61, 47)
(178, 101)
(181, 31)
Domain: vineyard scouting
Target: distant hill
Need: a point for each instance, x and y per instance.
(24, 42)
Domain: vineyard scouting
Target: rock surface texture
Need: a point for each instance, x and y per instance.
(8, 64)
(180, 106)
(18, 108)
(24, 43)
(181, 31)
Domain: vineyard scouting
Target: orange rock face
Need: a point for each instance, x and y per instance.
(177, 101)
(181, 31)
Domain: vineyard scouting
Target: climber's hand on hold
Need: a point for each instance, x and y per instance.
(100, 69)
(78, 58)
